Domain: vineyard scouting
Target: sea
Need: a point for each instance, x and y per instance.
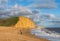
(52, 34)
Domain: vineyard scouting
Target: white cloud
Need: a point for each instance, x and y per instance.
(16, 10)
(35, 11)
(53, 23)
(42, 4)
(48, 17)
(3, 1)
(52, 16)
(3, 4)
(21, 9)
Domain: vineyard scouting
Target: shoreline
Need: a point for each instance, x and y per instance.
(12, 34)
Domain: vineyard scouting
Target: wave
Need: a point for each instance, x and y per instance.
(45, 33)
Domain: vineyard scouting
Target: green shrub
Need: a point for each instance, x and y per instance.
(9, 21)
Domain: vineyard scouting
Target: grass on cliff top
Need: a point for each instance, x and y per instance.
(9, 21)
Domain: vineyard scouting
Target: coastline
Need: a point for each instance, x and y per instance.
(12, 34)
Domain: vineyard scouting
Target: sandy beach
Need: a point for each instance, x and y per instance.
(12, 34)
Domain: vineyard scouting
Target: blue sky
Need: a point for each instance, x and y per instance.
(43, 10)
(55, 11)
(46, 8)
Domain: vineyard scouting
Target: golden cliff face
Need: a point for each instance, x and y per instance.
(24, 22)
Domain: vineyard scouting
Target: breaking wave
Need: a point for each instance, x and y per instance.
(45, 33)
